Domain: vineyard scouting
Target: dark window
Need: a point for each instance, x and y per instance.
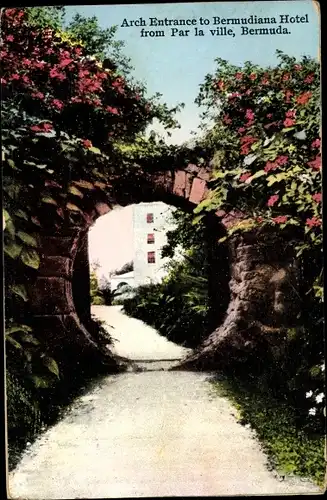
(149, 218)
(150, 238)
(151, 258)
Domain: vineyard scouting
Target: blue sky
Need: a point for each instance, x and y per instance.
(175, 66)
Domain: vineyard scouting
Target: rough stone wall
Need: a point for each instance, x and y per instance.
(264, 302)
(55, 317)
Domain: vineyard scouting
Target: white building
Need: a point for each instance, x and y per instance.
(151, 221)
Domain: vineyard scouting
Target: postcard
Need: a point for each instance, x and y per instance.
(162, 229)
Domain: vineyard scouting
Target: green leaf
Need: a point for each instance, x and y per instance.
(13, 342)
(84, 184)
(48, 199)
(10, 228)
(73, 207)
(13, 250)
(51, 364)
(95, 150)
(18, 328)
(27, 238)
(5, 214)
(76, 192)
(30, 258)
(20, 213)
(20, 291)
(29, 339)
(11, 163)
(41, 382)
(260, 173)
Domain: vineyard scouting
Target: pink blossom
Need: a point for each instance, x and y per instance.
(245, 176)
(289, 122)
(317, 197)
(282, 160)
(316, 163)
(272, 200)
(270, 166)
(57, 104)
(316, 143)
(249, 114)
(281, 219)
(314, 221)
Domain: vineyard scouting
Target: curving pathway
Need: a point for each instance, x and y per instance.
(147, 434)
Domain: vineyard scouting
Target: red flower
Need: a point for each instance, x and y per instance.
(270, 166)
(316, 143)
(238, 75)
(316, 163)
(86, 143)
(3, 81)
(10, 38)
(82, 73)
(38, 95)
(76, 99)
(245, 149)
(269, 115)
(265, 81)
(249, 114)
(248, 92)
(97, 102)
(227, 120)
(289, 122)
(281, 219)
(259, 219)
(43, 127)
(248, 139)
(309, 78)
(241, 130)
(65, 62)
(47, 127)
(314, 221)
(253, 76)
(15, 76)
(304, 98)
(290, 113)
(282, 160)
(245, 176)
(286, 77)
(317, 197)
(26, 62)
(288, 95)
(114, 111)
(272, 200)
(57, 104)
(54, 73)
(220, 84)
(78, 51)
(298, 67)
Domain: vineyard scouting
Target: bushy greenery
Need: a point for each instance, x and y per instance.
(178, 306)
(282, 432)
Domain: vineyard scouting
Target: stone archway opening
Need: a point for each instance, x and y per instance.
(104, 237)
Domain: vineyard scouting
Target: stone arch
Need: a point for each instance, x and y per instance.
(61, 309)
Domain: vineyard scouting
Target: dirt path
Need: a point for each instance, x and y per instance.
(147, 434)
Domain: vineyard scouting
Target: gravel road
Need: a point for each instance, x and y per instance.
(147, 434)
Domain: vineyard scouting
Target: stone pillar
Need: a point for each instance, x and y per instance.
(55, 317)
(264, 302)
(81, 281)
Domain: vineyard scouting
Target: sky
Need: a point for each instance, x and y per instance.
(176, 66)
